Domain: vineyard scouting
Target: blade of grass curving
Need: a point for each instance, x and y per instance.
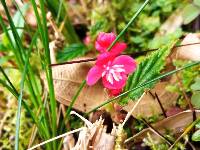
(42, 27)
(7, 79)
(11, 44)
(31, 74)
(20, 102)
(59, 11)
(67, 114)
(42, 130)
(129, 23)
(21, 92)
(14, 31)
(8, 87)
(146, 83)
(49, 72)
(18, 50)
(74, 99)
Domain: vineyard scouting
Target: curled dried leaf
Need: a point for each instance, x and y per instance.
(68, 78)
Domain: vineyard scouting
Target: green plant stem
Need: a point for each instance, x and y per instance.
(129, 23)
(66, 118)
(72, 103)
(146, 83)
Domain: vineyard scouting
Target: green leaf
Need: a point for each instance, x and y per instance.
(196, 85)
(71, 51)
(190, 12)
(196, 136)
(147, 70)
(198, 125)
(18, 21)
(196, 99)
(197, 2)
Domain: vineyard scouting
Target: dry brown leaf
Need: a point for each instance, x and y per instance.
(149, 106)
(190, 52)
(68, 78)
(176, 124)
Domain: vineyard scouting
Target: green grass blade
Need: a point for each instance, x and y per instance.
(21, 93)
(20, 103)
(12, 89)
(18, 50)
(67, 114)
(146, 83)
(72, 103)
(42, 27)
(49, 71)
(129, 23)
(59, 11)
(8, 87)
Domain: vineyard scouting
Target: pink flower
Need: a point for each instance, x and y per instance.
(113, 69)
(115, 92)
(104, 40)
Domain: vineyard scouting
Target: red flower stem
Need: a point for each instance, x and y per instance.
(133, 54)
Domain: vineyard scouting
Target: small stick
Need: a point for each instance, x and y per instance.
(156, 132)
(88, 123)
(130, 113)
(160, 104)
(187, 130)
(57, 137)
(74, 62)
(186, 97)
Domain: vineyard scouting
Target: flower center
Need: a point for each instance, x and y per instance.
(113, 73)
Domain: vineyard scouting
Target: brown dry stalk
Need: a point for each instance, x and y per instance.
(136, 53)
(160, 104)
(185, 96)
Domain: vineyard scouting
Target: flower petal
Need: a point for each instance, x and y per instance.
(118, 48)
(116, 84)
(104, 40)
(128, 62)
(94, 75)
(104, 58)
(115, 92)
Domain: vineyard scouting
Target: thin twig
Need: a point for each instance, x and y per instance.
(57, 137)
(74, 62)
(156, 132)
(186, 97)
(130, 113)
(160, 104)
(187, 130)
(132, 54)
